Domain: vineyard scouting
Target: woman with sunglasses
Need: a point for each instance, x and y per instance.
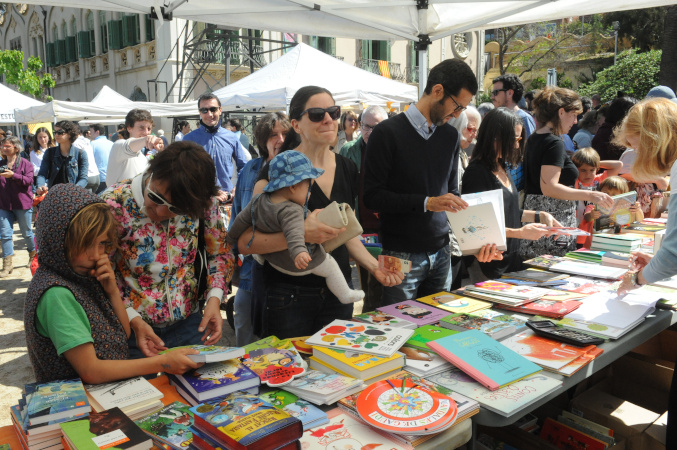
(300, 306)
(348, 129)
(64, 163)
(499, 141)
(163, 212)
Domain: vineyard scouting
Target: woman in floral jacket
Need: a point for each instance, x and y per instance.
(160, 212)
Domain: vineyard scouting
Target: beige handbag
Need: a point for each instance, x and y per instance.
(340, 215)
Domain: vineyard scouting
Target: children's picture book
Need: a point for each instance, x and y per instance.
(241, 421)
(171, 425)
(509, 290)
(454, 303)
(486, 360)
(426, 333)
(322, 388)
(110, 429)
(548, 308)
(423, 363)
(505, 401)
(413, 311)
(481, 223)
(124, 393)
(561, 435)
(310, 415)
(582, 285)
(567, 231)
(51, 401)
(218, 379)
(543, 261)
(276, 362)
(619, 213)
(379, 318)
(535, 275)
(495, 329)
(642, 228)
(358, 365)
(361, 337)
(211, 353)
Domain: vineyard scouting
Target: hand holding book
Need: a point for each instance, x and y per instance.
(446, 202)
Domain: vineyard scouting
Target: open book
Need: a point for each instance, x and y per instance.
(481, 223)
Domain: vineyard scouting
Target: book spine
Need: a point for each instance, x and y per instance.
(216, 434)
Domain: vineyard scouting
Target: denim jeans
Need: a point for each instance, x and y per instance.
(293, 311)
(175, 335)
(242, 312)
(7, 217)
(430, 274)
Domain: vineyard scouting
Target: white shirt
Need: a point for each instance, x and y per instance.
(85, 144)
(124, 163)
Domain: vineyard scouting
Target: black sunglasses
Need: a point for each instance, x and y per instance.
(213, 109)
(317, 114)
(496, 91)
(458, 108)
(59, 132)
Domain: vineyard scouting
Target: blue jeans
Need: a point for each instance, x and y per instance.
(7, 217)
(181, 333)
(293, 311)
(430, 274)
(242, 312)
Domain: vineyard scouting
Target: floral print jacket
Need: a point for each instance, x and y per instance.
(155, 271)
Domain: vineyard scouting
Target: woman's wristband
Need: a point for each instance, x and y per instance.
(537, 217)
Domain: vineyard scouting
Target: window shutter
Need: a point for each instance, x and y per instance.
(150, 28)
(60, 52)
(366, 49)
(71, 49)
(314, 42)
(84, 45)
(332, 46)
(130, 30)
(50, 56)
(115, 34)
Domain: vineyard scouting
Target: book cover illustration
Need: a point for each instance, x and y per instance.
(359, 361)
(310, 415)
(454, 303)
(534, 275)
(585, 286)
(543, 261)
(217, 375)
(426, 333)
(211, 353)
(110, 429)
(323, 383)
(563, 436)
(509, 290)
(402, 406)
(549, 308)
(619, 213)
(421, 362)
(361, 337)
(379, 318)
(123, 393)
(345, 432)
(419, 313)
(49, 401)
(171, 425)
(506, 400)
(486, 360)
(481, 223)
(487, 325)
(643, 228)
(545, 352)
(276, 362)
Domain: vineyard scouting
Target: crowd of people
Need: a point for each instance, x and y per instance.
(135, 255)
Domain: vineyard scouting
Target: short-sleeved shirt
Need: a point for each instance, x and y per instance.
(547, 150)
(62, 319)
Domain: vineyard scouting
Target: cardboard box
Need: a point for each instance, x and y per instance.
(655, 434)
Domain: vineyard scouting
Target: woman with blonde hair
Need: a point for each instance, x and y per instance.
(348, 129)
(651, 129)
(550, 174)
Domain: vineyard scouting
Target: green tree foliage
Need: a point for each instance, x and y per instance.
(644, 27)
(27, 79)
(634, 73)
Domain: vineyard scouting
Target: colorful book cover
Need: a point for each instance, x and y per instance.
(361, 337)
(496, 329)
(563, 436)
(123, 393)
(584, 286)
(222, 377)
(504, 401)
(545, 352)
(426, 333)
(211, 353)
(310, 415)
(543, 262)
(358, 361)
(508, 290)
(172, 425)
(419, 313)
(619, 213)
(275, 361)
(110, 429)
(245, 419)
(379, 318)
(589, 270)
(643, 228)
(323, 384)
(50, 401)
(548, 308)
(486, 360)
(454, 303)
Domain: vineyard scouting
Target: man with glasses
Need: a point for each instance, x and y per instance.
(411, 179)
(356, 151)
(507, 91)
(222, 145)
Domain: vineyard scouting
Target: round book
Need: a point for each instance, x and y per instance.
(402, 406)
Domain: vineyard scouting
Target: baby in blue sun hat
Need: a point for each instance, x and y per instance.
(282, 207)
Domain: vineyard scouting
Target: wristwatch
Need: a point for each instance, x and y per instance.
(634, 279)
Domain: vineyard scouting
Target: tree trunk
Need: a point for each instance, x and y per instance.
(668, 74)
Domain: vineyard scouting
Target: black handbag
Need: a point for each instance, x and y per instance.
(201, 264)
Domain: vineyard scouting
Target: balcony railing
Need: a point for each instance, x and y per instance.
(412, 74)
(373, 66)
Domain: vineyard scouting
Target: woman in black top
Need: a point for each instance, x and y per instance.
(498, 144)
(300, 306)
(549, 172)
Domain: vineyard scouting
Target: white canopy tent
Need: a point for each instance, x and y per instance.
(273, 86)
(12, 100)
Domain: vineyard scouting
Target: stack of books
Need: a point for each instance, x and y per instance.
(424, 363)
(211, 353)
(215, 380)
(570, 427)
(110, 429)
(589, 270)
(616, 259)
(484, 321)
(323, 388)
(136, 397)
(363, 366)
(586, 255)
(547, 307)
(170, 427)
(311, 416)
(624, 243)
(534, 277)
(505, 293)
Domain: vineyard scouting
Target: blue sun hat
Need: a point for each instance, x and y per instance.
(289, 168)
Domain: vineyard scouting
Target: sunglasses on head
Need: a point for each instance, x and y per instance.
(212, 109)
(59, 132)
(317, 114)
(155, 198)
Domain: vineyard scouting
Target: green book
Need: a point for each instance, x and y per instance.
(110, 429)
(426, 333)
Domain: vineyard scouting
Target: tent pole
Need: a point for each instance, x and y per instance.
(422, 70)
(422, 45)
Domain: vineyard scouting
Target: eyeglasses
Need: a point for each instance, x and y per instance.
(155, 198)
(317, 114)
(496, 91)
(351, 119)
(59, 132)
(458, 108)
(471, 129)
(212, 109)
(368, 128)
